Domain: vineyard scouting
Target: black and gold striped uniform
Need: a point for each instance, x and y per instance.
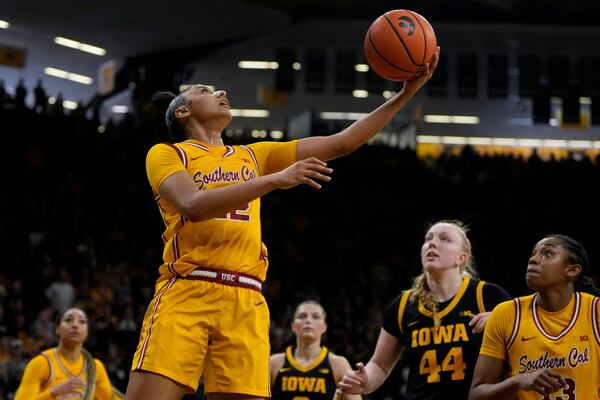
(313, 382)
(441, 358)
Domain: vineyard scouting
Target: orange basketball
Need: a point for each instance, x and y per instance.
(398, 44)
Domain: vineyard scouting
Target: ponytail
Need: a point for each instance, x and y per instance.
(167, 103)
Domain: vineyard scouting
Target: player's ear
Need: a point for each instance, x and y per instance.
(182, 112)
(462, 259)
(573, 270)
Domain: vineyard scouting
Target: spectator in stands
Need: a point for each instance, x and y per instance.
(20, 95)
(61, 292)
(41, 99)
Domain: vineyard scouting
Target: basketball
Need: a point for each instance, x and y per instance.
(398, 44)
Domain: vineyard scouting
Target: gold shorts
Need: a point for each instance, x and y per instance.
(194, 328)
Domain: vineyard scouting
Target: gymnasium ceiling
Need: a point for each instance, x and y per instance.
(127, 28)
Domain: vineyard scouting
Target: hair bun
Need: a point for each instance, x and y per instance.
(161, 100)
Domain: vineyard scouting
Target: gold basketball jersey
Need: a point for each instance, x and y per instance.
(232, 241)
(567, 341)
(60, 373)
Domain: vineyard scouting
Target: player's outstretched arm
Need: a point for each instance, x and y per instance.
(329, 147)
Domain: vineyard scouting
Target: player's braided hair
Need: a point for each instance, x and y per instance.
(167, 103)
(578, 255)
(420, 289)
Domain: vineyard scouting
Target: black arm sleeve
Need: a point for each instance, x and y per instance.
(390, 318)
(493, 295)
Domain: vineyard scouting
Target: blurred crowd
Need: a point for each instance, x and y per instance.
(79, 226)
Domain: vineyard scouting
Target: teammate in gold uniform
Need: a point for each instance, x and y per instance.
(208, 316)
(548, 343)
(437, 325)
(308, 371)
(67, 371)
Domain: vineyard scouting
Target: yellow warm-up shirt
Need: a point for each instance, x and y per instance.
(529, 338)
(233, 241)
(50, 369)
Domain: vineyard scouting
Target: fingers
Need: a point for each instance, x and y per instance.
(435, 59)
(352, 382)
(479, 326)
(478, 321)
(548, 381)
(431, 65)
(315, 160)
(314, 169)
(560, 380)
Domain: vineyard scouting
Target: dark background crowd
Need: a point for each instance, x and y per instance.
(79, 226)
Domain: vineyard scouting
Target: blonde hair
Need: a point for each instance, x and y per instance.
(420, 289)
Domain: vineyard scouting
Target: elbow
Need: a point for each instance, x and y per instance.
(193, 212)
(192, 217)
(340, 148)
(195, 215)
(473, 393)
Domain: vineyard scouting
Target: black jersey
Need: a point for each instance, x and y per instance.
(441, 358)
(313, 382)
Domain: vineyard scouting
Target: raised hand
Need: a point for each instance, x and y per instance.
(416, 83)
(303, 172)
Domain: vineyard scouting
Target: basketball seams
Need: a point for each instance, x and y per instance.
(416, 17)
(407, 60)
(372, 45)
(410, 56)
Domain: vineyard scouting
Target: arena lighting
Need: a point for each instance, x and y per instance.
(258, 133)
(297, 66)
(341, 115)
(276, 134)
(361, 94)
(119, 109)
(74, 44)
(70, 105)
(59, 73)
(258, 64)
(512, 142)
(250, 113)
(388, 93)
(450, 119)
(454, 140)
(361, 68)
(4, 24)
